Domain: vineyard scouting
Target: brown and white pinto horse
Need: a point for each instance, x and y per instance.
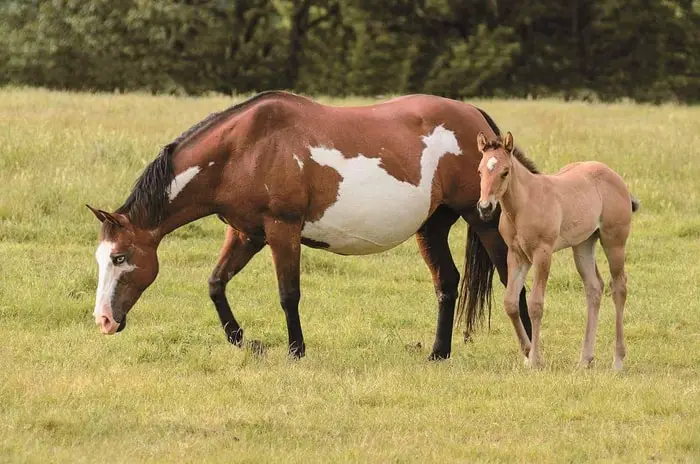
(283, 170)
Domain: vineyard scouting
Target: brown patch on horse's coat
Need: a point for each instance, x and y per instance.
(324, 193)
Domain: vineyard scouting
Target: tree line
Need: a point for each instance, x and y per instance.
(646, 50)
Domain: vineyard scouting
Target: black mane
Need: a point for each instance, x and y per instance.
(148, 201)
(495, 144)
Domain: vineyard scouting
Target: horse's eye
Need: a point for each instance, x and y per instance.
(504, 174)
(119, 259)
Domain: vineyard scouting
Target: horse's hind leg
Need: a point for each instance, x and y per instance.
(432, 241)
(584, 257)
(237, 251)
(614, 245)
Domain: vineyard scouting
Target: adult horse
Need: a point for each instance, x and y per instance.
(283, 170)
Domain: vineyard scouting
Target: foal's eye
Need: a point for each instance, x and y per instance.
(119, 259)
(504, 174)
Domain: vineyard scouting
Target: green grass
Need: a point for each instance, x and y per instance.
(170, 388)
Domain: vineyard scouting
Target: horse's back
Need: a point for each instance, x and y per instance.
(371, 174)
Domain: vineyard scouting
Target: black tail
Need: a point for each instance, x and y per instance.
(635, 203)
(477, 283)
(490, 121)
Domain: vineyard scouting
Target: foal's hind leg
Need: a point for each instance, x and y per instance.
(432, 241)
(237, 251)
(614, 246)
(584, 257)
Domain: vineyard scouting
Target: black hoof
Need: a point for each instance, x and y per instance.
(235, 337)
(438, 356)
(297, 351)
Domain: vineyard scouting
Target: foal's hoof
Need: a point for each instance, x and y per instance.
(534, 363)
(235, 337)
(586, 363)
(617, 365)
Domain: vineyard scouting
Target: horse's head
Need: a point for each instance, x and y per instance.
(494, 170)
(128, 264)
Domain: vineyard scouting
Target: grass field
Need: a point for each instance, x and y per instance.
(170, 388)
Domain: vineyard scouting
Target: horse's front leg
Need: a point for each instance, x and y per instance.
(284, 238)
(237, 251)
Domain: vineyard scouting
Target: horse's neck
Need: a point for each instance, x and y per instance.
(189, 189)
(516, 198)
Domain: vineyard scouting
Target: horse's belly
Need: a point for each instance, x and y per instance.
(370, 221)
(373, 210)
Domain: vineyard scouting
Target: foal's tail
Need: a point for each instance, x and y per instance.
(635, 203)
(477, 283)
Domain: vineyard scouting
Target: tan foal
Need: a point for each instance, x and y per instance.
(543, 214)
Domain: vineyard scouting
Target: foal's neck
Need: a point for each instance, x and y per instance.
(516, 197)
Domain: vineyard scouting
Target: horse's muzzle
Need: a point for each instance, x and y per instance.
(109, 326)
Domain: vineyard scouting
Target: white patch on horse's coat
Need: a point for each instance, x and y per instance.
(211, 163)
(299, 161)
(181, 180)
(267, 189)
(108, 277)
(374, 211)
(491, 163)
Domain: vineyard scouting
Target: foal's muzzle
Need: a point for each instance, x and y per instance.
(486, 210)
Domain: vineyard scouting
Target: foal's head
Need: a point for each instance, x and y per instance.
(128, 264)
(494, 170)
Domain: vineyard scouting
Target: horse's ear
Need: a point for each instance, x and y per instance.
(481, 141)
(103, 216)
(508, 142)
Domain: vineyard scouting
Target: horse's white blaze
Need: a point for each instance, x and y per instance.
(181, 180)
(374, 211)
(491, 163)
(108, 277)
(299, 161)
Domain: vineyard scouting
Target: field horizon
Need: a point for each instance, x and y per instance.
(170, 387)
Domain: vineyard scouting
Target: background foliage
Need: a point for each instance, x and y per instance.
(584, 49)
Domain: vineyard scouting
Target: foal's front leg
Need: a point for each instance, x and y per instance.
(541, 261)
(284, 239)
(517, 273)
(237, 251)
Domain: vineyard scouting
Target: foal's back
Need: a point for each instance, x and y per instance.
(591, 197)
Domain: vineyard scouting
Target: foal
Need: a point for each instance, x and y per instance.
(543, 214)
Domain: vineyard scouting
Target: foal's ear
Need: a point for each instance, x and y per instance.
(481, 141)
(508, 142)
(103, 216)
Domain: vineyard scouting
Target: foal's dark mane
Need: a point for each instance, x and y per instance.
(495, 144)
(147, 203)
